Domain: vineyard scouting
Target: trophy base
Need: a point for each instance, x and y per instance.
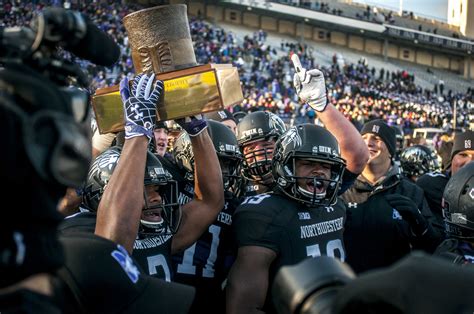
(188, 92)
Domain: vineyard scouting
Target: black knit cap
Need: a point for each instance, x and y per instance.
(384, 131)
(463, 141)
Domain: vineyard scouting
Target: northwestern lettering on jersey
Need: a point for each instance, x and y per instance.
(321, 228)
(304, 216)
(183, 199)
(147, 243)
(225, 218)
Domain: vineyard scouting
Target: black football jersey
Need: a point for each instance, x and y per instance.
(107, 280)
(153, 254)
(80, 222)
(291, 229)
(433, 185)
(206, 263)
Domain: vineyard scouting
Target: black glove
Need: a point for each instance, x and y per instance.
(417, 284)
(409, 212)
(193, 125)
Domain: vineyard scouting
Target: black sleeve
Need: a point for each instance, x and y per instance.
(80, 222)
(433, 188)
(348, 178)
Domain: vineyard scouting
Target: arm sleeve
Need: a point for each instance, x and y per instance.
(348, 178)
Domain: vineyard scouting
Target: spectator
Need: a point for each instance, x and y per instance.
(380, 197)
(160, 136)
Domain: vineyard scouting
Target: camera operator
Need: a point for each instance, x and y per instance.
(45, 127)
(48, 150)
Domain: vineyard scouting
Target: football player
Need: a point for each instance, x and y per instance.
(205, 264)
(303, 217)
(433, 184)
(131, 193)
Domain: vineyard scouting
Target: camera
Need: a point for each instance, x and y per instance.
(35, 84)
(310, 286)
(45, 131)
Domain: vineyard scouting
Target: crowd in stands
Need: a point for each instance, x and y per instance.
(211, 224)
(378, 15)
(360, 91)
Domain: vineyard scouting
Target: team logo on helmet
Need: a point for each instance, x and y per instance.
(276, 123)
(291, 137)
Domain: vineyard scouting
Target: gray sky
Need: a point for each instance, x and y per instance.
(427, 8)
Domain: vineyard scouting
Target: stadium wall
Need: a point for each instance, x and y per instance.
(304, 30)
(251, 20)
(385, 47)
(374, 46)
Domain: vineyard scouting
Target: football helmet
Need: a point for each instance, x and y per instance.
(308, 142)
(417, 160)
(254, 127)
(100, 173)
(458, 204)
(227, 149)
(399, 138)
(183, 155)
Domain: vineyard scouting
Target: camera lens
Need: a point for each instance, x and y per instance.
(310, 286)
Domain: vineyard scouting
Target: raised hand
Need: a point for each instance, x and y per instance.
(309, 85)
(193, 125)
(139, 104)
